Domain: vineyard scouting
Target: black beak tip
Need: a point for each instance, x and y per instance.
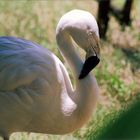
(89, 64)
(81, 76)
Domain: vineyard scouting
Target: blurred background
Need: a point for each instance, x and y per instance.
(118, 73)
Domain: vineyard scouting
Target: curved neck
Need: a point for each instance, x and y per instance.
(85, 94)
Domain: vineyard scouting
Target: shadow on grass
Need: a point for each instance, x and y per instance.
(133, 56)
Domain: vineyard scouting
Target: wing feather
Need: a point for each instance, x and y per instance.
(21, 62)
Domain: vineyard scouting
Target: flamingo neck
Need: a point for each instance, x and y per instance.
(85, 94)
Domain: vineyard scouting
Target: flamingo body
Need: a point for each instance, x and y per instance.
(28, 73)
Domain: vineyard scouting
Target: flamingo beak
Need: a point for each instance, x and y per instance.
(92, 55)
(92, 59)
(89, 64)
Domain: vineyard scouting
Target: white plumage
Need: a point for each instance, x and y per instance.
(36, 94)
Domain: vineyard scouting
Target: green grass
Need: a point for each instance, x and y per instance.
(118, 74)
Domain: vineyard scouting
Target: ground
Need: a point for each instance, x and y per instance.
(118, 73)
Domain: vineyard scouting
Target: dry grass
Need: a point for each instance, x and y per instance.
(118, 73)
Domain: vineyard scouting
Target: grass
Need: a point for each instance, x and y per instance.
(118, 74)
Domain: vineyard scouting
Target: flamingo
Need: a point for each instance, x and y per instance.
(36, 94)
